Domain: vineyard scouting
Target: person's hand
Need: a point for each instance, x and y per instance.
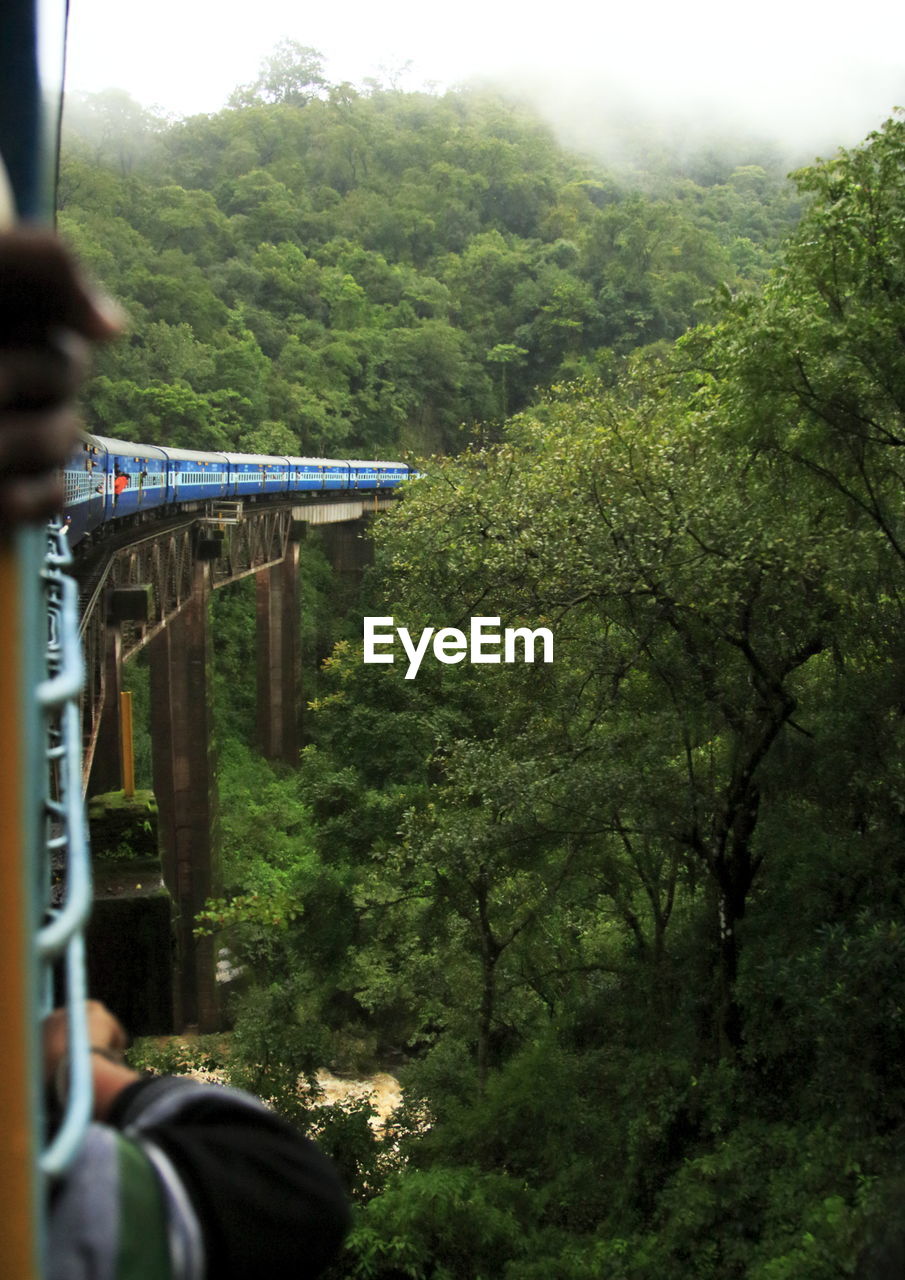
(109, 1074)
(104, 1032)
(49, 316)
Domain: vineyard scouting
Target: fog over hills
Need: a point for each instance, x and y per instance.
(809, 76)
(805, 118)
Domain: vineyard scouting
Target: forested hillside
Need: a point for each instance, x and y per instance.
(630, 923)
(325, 270)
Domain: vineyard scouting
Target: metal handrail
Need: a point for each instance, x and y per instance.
(66, 840)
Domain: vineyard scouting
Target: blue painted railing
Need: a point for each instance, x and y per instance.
(67, 859)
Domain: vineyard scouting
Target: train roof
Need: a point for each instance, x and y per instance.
(364, 462)
(125, 448)
(261, 459)
(269, 459)
(192, 455)
(317, 462)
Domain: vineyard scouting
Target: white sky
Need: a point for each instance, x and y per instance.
(805, 69)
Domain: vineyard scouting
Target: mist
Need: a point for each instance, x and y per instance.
(807, 76)
(613, 116)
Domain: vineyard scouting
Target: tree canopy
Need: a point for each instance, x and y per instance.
(635, 914)
(374, 271)
(630, 921)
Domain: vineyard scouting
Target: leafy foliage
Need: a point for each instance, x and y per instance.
(643, 904)
(631, 920)
(328, 270)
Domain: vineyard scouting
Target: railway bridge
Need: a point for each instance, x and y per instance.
(148, 587)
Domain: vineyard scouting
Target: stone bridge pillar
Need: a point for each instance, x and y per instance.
(347, 548)
(279, 662)
(106, 765)
(186, 790)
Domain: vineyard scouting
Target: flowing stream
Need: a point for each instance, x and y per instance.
(382, 1089)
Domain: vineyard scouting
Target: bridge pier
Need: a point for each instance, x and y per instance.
(279, 660)
(129, 940)
(186, 790)
(346, 547)
(106, 766)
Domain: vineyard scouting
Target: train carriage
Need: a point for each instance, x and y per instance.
(390, 474)
(307, 474)
(85, 487)
(256, 474)
(362, 475)
(336, 473)
(276, 476)
(193, 475)
(135, 476)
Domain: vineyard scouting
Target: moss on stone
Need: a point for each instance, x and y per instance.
(123, 827)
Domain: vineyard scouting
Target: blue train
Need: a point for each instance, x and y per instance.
(108, 480)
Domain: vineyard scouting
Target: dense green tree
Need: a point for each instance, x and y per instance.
(826, 358)
(290, 76)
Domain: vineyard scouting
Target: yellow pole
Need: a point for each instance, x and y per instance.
(18, 1188)
(127, 745)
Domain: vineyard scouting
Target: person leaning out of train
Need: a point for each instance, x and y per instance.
(120, 482)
